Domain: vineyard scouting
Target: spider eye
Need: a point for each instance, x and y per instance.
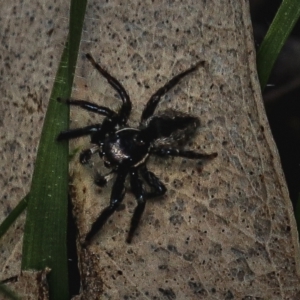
(140, 142)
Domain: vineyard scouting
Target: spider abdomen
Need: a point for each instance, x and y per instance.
(124, 148)
(171, 127)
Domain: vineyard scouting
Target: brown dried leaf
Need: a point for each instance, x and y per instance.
(31, 285)
(223, 230)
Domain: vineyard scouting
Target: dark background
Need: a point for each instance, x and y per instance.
(281, 96)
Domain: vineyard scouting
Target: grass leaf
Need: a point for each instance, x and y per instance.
(283, 23)
(46, 222)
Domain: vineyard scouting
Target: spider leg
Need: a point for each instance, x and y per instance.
(86, 155)
(126, 107)
(157, 187)
(139, 193)
(78, 132)
(117, 195)
(96, 131)
(155, 98)
(89, 106)
(163, 151)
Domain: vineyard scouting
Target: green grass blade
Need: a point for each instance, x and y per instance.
(13, 215)
(46, 222)
(283, 23)
(45, 229)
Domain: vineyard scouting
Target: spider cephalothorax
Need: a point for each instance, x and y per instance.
(125, 150)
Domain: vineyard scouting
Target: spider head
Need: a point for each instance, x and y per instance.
(124, 148)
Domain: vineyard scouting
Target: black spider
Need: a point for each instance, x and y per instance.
(125, 150)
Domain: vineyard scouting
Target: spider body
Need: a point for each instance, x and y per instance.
(125, 150)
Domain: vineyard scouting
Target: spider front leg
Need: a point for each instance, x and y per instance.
(155, 98)
(78, 132)
(87, 130)
(117, 195)
(89, 106)
(125, 110)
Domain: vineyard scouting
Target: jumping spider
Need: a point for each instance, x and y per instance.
(125, 150)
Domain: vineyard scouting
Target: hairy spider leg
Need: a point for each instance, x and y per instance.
(89, 106)
(157, 189)
(139, 193)
(155, 98)
(96, 131)
(117, 195)
(125, 110)
(164, 151)
(86, 154)
(78, 132)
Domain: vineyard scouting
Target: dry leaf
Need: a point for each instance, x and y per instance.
(31, 285)
(223, 230)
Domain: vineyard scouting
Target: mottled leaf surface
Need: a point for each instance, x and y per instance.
(225, 229)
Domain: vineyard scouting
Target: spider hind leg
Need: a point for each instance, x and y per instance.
(169, 151)
(139, 193)
(117, 195)
(157, 189)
